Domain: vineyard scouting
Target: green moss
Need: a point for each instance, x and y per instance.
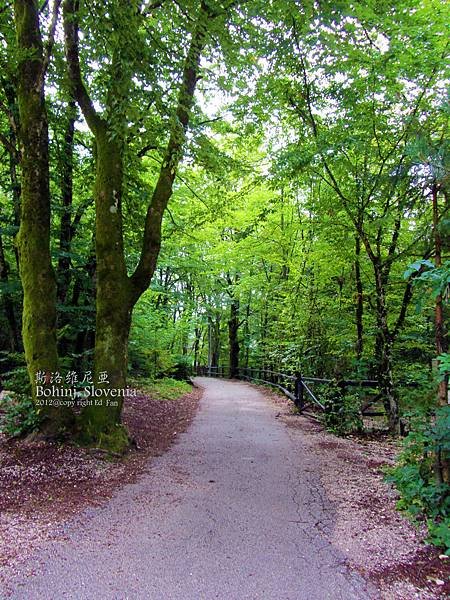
(114, 440)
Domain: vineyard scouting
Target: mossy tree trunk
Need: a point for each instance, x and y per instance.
(114, 301)
(116, 292)
(33, 241)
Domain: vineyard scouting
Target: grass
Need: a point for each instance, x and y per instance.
(161, 389)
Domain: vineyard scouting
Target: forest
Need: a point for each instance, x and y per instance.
(229, 185)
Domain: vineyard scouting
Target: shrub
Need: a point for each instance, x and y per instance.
(182, 368)
(18, 415)
(422, 495)
(151, 363)
(18, 381)
(342, 411)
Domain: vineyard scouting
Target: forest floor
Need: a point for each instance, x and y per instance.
(376, 539)
(43, 485)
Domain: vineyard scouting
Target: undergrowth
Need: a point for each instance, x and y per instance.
(423, 496)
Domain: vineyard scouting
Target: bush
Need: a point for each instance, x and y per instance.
(17, 381)
(342, 411)
(151, 363)
(18, 415)
(182, 368)
(422, 496)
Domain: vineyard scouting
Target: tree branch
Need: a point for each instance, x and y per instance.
(70, 10)
(10, 147)
(50, 41)
(141, 277)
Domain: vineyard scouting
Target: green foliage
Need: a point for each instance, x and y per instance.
(444, 364)
(421, 496)
(18, 415)
(17, 380)
(432, 281)
(287, 172)
(342, 411)
(151, 363)
(182, 368)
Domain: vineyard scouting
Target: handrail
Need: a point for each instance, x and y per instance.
(295, 386)
(312, 395)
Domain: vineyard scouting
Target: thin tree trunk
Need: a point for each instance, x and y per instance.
(441, 341)
(65, 227)
(442, 466)
(8, 303)
(196, 345)
(359, 301)
(14, 157)
(384, 354)
(233, 328)
(214, 341)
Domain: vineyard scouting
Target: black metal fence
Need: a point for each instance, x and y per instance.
(300, 389)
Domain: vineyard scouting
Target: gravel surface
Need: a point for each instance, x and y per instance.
(231, 511)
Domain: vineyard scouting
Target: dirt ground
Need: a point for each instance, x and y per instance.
(43, 485)
(377, 540)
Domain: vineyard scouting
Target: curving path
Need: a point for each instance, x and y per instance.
(231, 511)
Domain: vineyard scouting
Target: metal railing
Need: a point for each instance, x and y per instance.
(297, 387)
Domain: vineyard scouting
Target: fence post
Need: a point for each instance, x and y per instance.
(299, 392)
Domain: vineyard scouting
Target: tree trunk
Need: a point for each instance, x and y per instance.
(14, 122)
(214, 341)
(33, 241)
(442, 465)
(384, 354)
(439, 322)
(233, 328)
(196, 346)
(114, 301)
(8, 303)
(117, 293)
(359, 301)
(65, 227)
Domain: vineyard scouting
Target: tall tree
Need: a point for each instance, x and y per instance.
(36, 270)
(116, 292)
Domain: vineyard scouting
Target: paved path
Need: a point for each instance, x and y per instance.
(229, 512)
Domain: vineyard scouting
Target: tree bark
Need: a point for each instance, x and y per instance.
(384, 352)
(233, 328)
(14, 152)
(439, 322)
(359, 301)
(114, 302)
(33, 241)
(8, 303)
